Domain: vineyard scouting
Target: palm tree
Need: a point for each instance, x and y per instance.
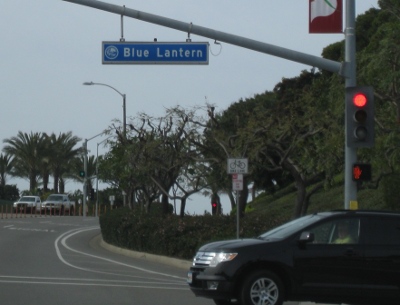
(5, 168)
(27, 153)
(61, 152)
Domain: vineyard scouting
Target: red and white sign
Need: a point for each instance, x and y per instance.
(237, 182)
(326, 16)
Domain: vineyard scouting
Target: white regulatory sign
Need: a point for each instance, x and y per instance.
(237, 166)
(237, 182)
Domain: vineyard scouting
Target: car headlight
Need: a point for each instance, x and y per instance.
(222, 257)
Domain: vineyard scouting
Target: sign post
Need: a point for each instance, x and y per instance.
(237, 167)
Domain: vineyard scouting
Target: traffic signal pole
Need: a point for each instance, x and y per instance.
(350, 186)
(346, 69)
(314, 61)
(85, 159)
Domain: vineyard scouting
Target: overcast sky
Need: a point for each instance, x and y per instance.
(50, 47)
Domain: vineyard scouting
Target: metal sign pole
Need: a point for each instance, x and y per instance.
(350, 187)
(237, 214)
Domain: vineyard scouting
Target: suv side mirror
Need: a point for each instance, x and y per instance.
(306, 237)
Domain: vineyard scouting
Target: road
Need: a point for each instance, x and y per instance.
(57, 260)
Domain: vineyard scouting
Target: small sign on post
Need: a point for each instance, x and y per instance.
(237, 182)
(237, 166)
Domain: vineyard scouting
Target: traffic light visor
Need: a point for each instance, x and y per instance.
(359, 99)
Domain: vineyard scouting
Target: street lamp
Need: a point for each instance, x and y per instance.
(123, 99)
(97, 174)
(85, 177)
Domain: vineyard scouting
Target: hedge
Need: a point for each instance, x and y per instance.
(174, 236)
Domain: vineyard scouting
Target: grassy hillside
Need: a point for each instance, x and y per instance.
(283, 202)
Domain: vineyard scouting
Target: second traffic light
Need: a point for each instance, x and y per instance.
(360, 117)
(82, 174)
(214, 206)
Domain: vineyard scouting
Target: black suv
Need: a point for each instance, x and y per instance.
(333, 257)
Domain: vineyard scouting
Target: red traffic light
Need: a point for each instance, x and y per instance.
(359, 100)
(360, 116)
(214, 204)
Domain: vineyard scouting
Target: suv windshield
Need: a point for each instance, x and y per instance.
(54, 198)
(27, 199)
(291, 227)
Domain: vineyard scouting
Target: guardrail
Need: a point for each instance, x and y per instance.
(7, 212)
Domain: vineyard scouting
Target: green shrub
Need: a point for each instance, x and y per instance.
(181, 237)
(175, 236)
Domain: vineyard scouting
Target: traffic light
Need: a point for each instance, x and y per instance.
(214, 208)
(82, 174)
(360, 117)
(91, 194)
(362, 172)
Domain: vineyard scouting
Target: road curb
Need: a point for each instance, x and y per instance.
(178, 263)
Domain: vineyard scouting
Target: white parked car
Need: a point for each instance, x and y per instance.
(29, 204)
(59, 203)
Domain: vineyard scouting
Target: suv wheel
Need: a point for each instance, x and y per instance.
(262, 288)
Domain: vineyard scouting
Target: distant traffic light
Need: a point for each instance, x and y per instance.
(214, 206)
(362, 172)
(82, 174)
(360, 117)
(91, 194)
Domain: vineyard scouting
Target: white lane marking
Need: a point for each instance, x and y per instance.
(77, 231)
(30, 279)
(33, 230)
(93, 284)
(8, 226)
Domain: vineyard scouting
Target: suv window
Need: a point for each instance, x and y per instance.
(341, 231)
(383, 231)
(291, 227)
(55, 198)
(27, 199)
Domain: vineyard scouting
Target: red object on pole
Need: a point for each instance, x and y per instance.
(325, 16)
(357, 172)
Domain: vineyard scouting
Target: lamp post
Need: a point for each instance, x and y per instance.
(85, 177)
(97, 174)
(123, 99)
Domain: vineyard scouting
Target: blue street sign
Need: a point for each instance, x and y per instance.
(170, 53)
